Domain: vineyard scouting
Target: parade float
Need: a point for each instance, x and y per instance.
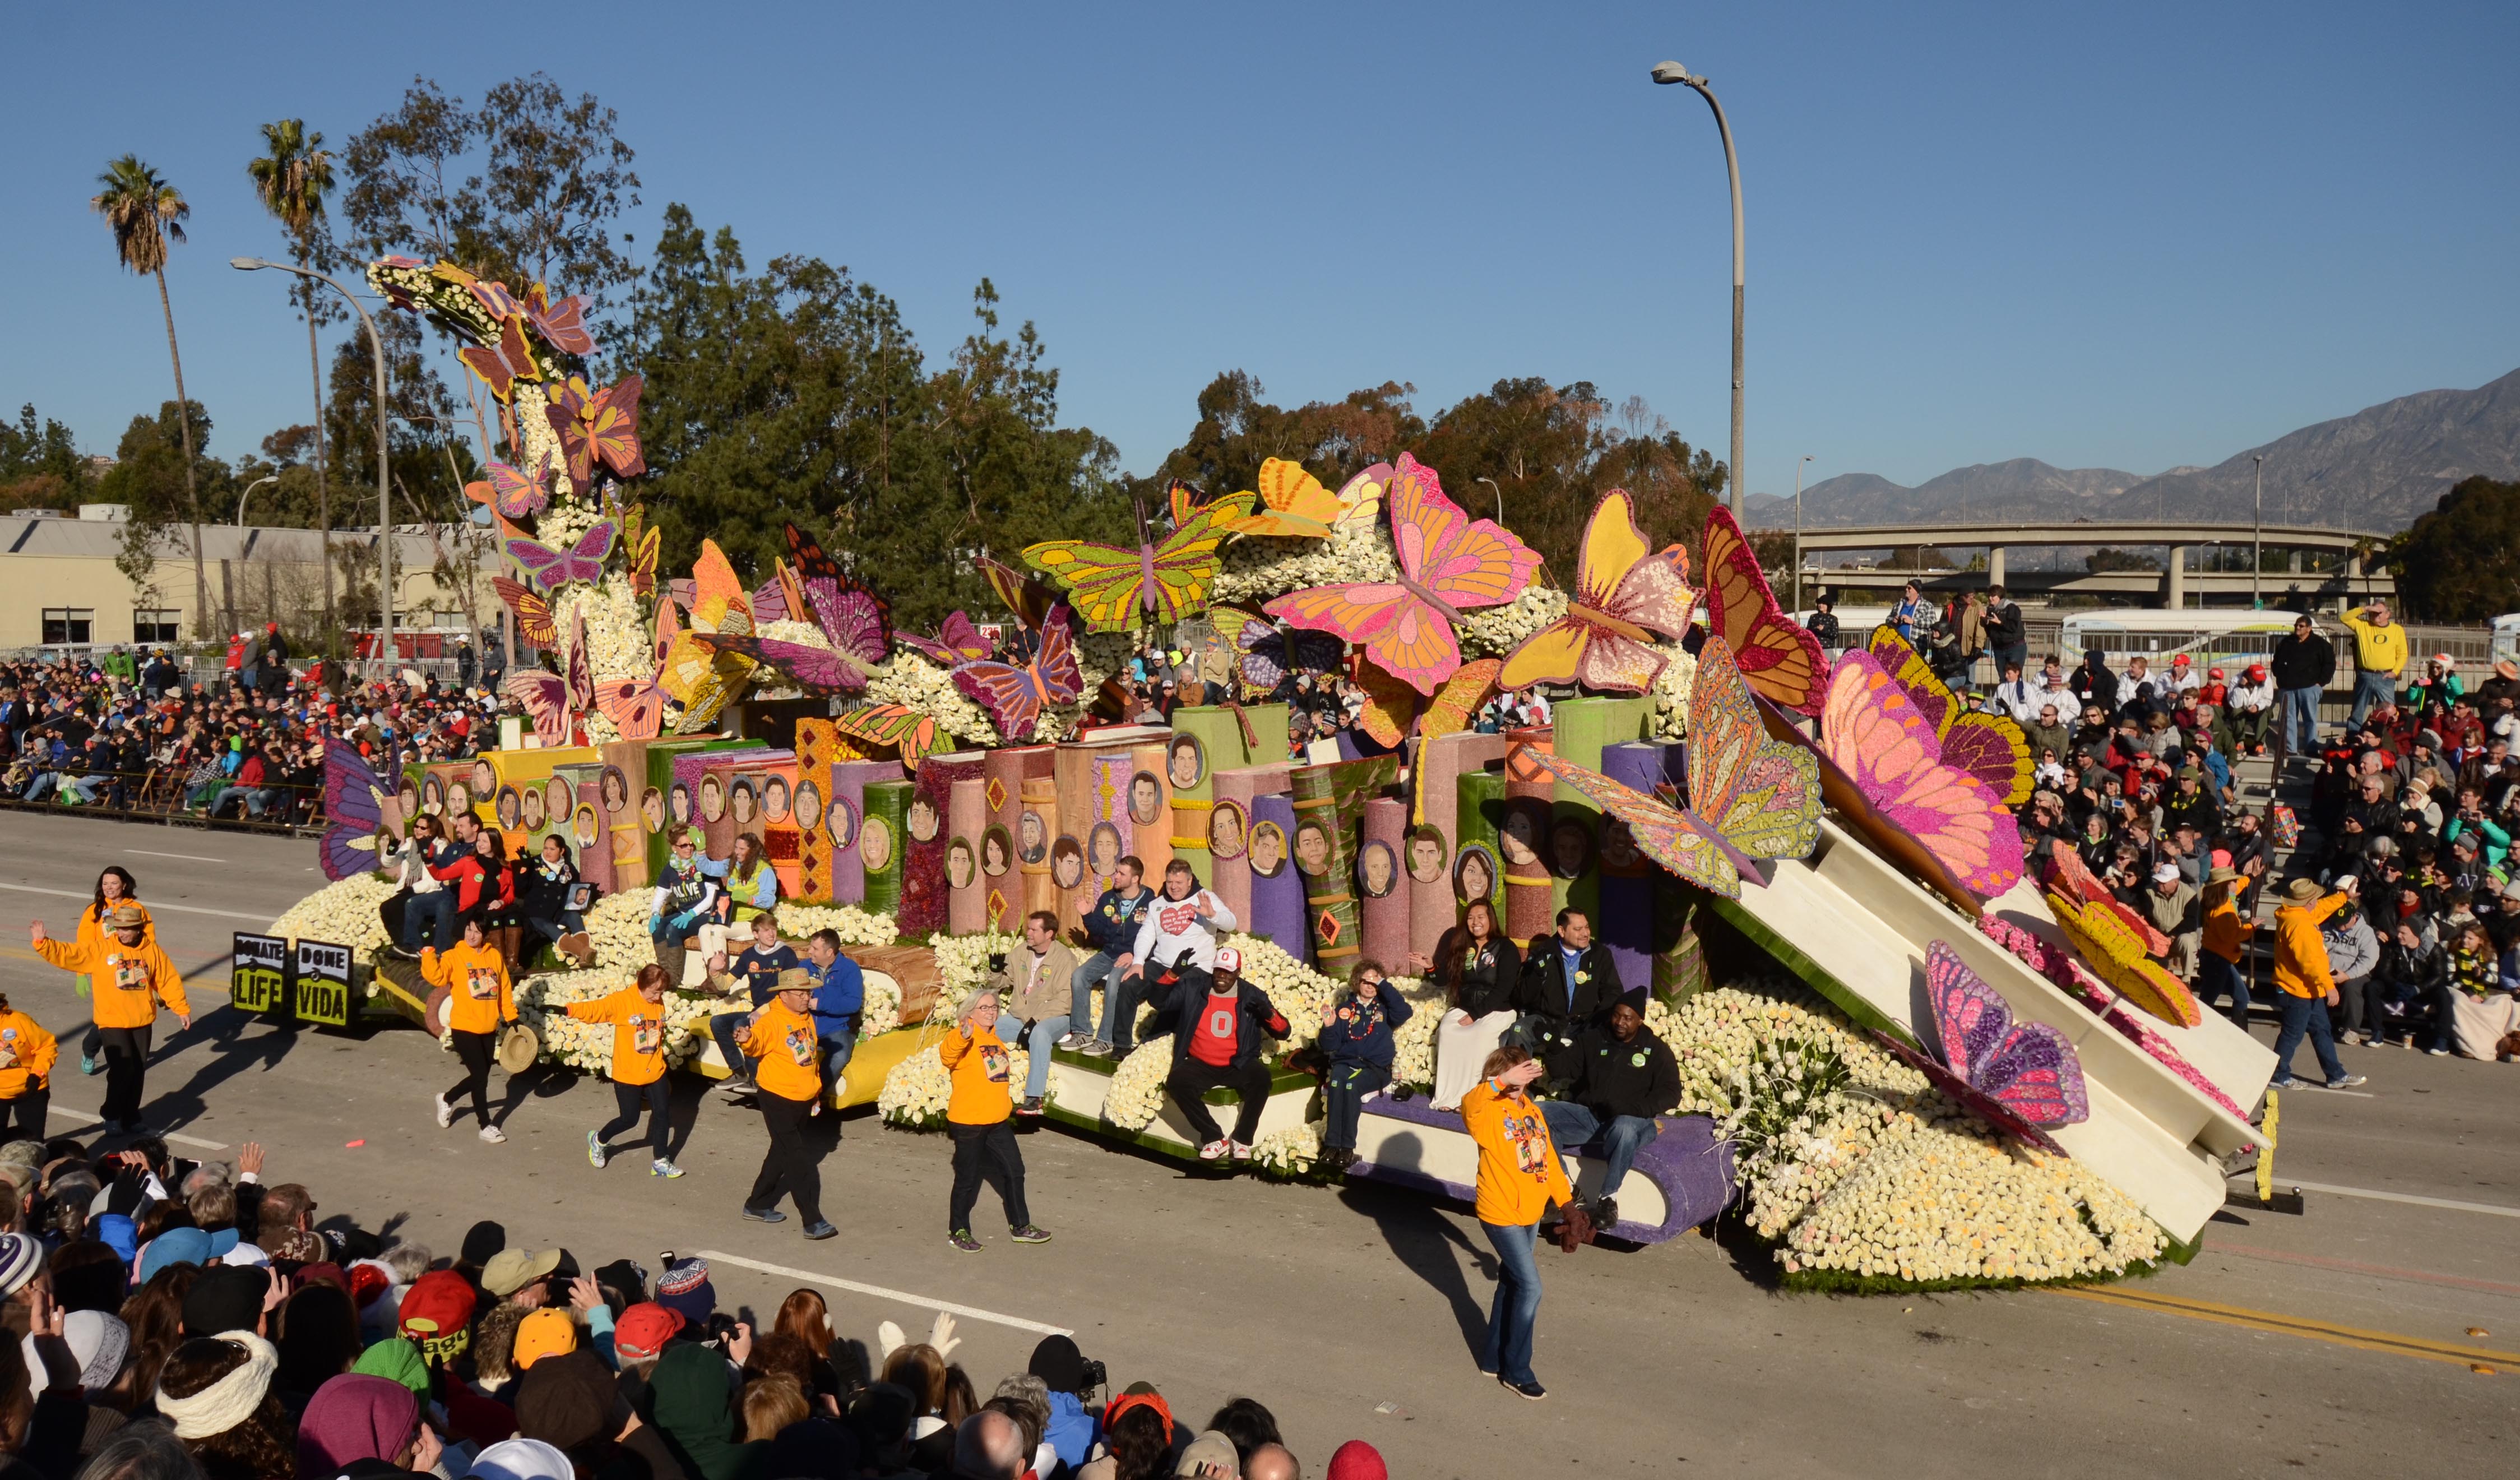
(1906, 1062)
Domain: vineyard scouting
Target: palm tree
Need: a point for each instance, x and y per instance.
(147, 213)
(292, 181)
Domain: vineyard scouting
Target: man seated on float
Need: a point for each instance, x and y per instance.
(1569, 983)
(1176, 936)
(839, 997)
(1217, 1020)
(1035, 1000)
(680, 901)
(1618, 1078)
(1111, 929)
(757, 967)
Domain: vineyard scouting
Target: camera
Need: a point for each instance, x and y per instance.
(1095, 1376)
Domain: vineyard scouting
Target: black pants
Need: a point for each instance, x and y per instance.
(1190, 1082)
(24, 1115)
(475, 1049)
(986, 1153)
(127, 1071)
(627, 1098)
(789, 1165)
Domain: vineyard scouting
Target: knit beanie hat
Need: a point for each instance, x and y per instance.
(685, 1290)
(21, 1256)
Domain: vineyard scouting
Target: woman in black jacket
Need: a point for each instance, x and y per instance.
(2409, 987)
(1478, 968)
(543, 889)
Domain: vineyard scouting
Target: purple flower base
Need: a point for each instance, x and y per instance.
(1686, 1161)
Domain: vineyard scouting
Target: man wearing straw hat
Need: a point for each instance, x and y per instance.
(2304, 988)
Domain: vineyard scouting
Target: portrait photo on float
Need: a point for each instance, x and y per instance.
(922, 819)
(1570, 848)
(1187, 762)
(1103, 849)
(1033, 844)
(1425, 855)
(1146, 798)
(774, 799)
(712, 799)
(994, 850)
(840, 820)
(1475, 874)
(651, 810)
(742, 802)
(1376, 871)
(875, 844)
(1227, 830)
(615, 788)
(510, 808)
(1520, 833)
(432, 794)
(678, 804)
(485, 781)
(586, 824)
(809, 806)
(1312, 848)
(1268, 849)
(533, 797)
(559, 798)
(1067, 862)
(959, 871)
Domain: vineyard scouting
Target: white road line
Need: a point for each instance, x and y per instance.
(181, 1141)
(2499, 1210)
(882, 1293)
(190, 857)
(154, 905)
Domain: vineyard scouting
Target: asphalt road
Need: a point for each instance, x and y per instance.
(2291, 1345)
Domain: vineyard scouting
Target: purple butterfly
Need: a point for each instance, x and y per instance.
(1271, 652)
(2019, 1077)
(812, 668)
(350, 810)
(549, 570)
(957, 643)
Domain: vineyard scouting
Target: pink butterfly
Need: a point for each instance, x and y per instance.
(516, 495)
(770, 603)
(855, 619)
(549, 570)
(2018, 1077)
(1871, 730)
(552, 700)
(957, 643)
(562, 325)
(1014, 696)
(1447, 561)
(634, 705)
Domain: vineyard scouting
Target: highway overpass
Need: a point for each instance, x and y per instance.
(2172, 586)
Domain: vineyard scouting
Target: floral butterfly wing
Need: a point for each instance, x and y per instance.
(562, 325)
(702, 678)
(532, 613)
(1025, 594)
(718, 600)
(1969, 1018)
(1104, 583)
(1014, 698)
(351, 815)
(1295, 502)
(1873, 732)
(495, 298)
(634, 705)
(580, 669)
(1781, 660)
(818, 669)
(956, 643)
(669, 626)
(2026, 1068)
(2068, 876)
(644, 544)
(898, 725)
(1995, 749)
(1909, 669)
(504, 361)
(1760, 795)
(585, 558)
(1185, 564)
(1361, 497)
(1390, 706)
(1664, 833)
(2117, 957)
(770, 604)
(544, 697)
(1401, 633)
(1622, 600)
(1450, 712)
(1464, 562)
(541, 564)
(612, 427)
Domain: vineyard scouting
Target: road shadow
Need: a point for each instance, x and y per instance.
(1430, 1247)
(238, 1043)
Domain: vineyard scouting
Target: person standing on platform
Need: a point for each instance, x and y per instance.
(977, 1115)
(637, 1014)
(780, 1037)
(132, 976)
(479, 1001)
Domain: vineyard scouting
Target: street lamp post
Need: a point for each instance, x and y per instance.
(2257, 546)
(1798, 531)
(385, 496)
(1500, 493)
(248, 493)
(1668, 73)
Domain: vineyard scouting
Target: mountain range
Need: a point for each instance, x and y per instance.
(2377, 469)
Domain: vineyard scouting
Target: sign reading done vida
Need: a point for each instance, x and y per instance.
(322, 978)
(258, 978)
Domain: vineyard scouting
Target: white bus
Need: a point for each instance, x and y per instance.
(2207, 634)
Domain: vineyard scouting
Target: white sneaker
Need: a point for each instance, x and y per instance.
(493, 1135)
(445, 1113)
(1214, 1150)
(1073, 1041)
(1241, 1150)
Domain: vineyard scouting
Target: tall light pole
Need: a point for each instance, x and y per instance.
(1500, 493)
(384, 495)
(1667, 73)
(1798, 531)
(248, 493)
(2257, 546)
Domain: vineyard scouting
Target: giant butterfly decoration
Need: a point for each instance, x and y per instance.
(2117, 957)
(1392, 707)
(504, 360)
(2019, 1077)
(2068, 876)
(1780, 659)
(1993, 747)
(853, 620)
(1448, 563)
(550, 569)
(533, 615)
(515, 495)
(643, 544)
(912, 733)
(1024, 594)
(599, 427)
(1877, 738)
(1014, 698)
(1624, 598)
(554, 701)
(354, 811)
(1162, 581)
(956, 643)
(1751, 797)
(1268, 651)
(1294, 504)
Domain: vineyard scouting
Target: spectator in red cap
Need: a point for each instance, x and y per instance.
(640, 1334)
(1357, 1460)
(2245, 712)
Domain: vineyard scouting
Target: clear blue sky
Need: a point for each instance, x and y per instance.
(2134, 235)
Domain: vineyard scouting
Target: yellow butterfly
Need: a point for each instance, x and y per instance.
(1168, 581)
(1391, 703)
(1298, 506)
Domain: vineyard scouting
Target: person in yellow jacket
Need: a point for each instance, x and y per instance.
(132, 976)
(26, 1055)
(479, 1001)
(779, 1034)
(2379, 656)
(2226, 937)
(976, 1117)
(637, 1014)
(1520, 1175)
(2304, 987)
(114, 886)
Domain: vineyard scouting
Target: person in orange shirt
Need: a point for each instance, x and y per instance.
(1519, 1176)
(26, 1055)
(114, 886)
(2305, 987)
(638, 1017)
(976, 1116)
(132, 976)
(2226, 935)
(790, 1078)
(479, 1001)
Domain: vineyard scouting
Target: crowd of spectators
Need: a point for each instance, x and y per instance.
(180, 1321)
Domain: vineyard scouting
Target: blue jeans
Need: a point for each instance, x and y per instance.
(722, 1026)
(1343, 1091)
(2370, 691)
(1517, 1308)
(437, 908)
(1120, 1013)
(2300, 722)
(1100, 969)
(837, 1054)
(1036, 1044)
(1571, 1125)
(571, 922)
(2214, 977)
(2306, 1014)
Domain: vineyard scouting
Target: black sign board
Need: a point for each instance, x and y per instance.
(322, 981)
(258, 978)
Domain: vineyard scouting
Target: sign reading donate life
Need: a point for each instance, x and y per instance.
(323, 981)
(258, 981)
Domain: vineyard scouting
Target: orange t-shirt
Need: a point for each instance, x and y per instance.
(792, 1060)
(638, 1034)
(1519, 1170)
(981, 1066)
(478, 995)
